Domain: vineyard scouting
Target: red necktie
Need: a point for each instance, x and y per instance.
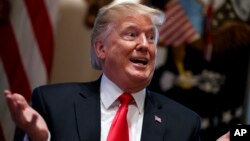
(119, 127)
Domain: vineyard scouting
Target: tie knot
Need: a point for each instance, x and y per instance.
(125, 98)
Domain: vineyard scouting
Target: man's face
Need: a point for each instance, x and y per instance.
(129, 51)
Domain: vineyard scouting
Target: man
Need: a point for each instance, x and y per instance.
(124, 43)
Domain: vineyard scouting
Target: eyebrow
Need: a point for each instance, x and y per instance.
(135, 26)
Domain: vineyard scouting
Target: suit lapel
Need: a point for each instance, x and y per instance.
(87, 109)
(88, 115)
(154, 120)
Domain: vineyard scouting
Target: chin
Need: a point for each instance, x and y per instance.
(141, 77)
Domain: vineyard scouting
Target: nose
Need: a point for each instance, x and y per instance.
(143, 43)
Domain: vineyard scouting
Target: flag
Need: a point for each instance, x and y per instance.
(208, 31)
(26, 52)
(183, 24)
(157, 119)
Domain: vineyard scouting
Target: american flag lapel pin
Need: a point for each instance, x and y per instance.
(158, 119)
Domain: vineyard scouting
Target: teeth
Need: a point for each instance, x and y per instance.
(139, 60)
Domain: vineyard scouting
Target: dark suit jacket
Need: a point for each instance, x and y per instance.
(72, 112)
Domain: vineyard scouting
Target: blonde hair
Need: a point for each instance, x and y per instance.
(106, 17)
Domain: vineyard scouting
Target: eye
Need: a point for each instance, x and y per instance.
(151, 38)
(129, 35)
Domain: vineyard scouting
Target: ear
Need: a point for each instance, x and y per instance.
(99, 49)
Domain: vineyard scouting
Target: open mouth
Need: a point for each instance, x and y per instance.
(141, 61)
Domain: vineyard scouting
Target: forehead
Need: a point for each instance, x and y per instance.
(137, 21)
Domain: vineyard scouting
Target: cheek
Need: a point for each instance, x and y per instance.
(153, 52)
(122, 48)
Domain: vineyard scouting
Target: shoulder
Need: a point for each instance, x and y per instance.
(52, 88)
(173, 108)
(65, 89)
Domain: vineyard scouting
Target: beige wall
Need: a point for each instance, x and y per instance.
(72, 45)
(71, 60)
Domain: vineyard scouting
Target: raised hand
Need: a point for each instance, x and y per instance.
(26, 118)
(225, 137)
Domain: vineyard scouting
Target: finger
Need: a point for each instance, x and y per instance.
(34, 119)
(16, 104)
(15, 100)
(7, 94)
(224, 137)
(23, 114)
(227, 134)
(21, 106)
(21, 101)
(10, 100)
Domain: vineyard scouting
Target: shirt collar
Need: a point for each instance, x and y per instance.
(110, 92)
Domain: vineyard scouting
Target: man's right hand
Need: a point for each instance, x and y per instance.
(26, 118)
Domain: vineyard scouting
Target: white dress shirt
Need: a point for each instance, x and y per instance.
(110, 104)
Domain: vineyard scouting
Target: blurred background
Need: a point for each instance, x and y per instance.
(203, 54)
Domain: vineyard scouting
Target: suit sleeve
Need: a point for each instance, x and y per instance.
(38, 103)
(196, 134)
